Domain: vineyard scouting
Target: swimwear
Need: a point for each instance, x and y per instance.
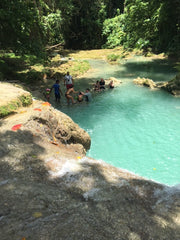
(56, 87)
(102, 85)
(69, 86)
(57, 95)
(80, 100)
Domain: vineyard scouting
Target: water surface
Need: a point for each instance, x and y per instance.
(132, 127)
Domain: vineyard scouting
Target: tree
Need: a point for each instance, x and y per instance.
(86, 24)
(20, 28)
(146, 25)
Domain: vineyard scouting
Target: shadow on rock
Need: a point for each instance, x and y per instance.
(79, 199)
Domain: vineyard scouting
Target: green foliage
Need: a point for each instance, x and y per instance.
(142, 44)
(80, 67)
(31, 77)
(86, 25)
(24, 100)
(20, 26)
(169, 27)
(26, 27)
(141, 25)
(145, 25)
(113, 57)
(19, 67)
(113, 31)
(76, 67)
(9, 64)
(52, 25)
(178, 67)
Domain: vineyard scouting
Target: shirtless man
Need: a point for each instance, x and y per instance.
(69, 96)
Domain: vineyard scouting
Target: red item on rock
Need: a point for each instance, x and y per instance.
(16, 127)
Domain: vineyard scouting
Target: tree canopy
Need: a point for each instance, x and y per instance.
(30, 25)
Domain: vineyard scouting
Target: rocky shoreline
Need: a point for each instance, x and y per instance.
(50, 190)
(172, 86)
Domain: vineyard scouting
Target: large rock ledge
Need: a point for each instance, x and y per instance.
(50, 190)
(172, 86)
(43, 121)
(12, 97)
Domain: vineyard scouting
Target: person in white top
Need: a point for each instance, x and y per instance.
(68, 81)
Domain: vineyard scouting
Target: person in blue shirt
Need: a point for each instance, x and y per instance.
(57, 91)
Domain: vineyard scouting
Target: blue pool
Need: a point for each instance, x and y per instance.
(132, 127)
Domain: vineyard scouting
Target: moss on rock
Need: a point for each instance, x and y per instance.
(12, 98)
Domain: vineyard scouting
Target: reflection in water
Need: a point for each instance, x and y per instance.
(132, 127)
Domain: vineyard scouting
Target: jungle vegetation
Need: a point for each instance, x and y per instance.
(29, 26)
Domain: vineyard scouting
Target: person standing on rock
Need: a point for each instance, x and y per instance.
(57, 91)
(68, 81)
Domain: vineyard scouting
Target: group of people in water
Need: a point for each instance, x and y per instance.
(69, 94)
(100, 85)
(69, 83)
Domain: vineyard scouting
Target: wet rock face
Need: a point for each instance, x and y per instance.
(116, 81)
(59, 127)
(173, 86)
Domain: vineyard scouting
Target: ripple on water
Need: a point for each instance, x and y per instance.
(134, 128)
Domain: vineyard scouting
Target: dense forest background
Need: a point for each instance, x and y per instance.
(28, 26)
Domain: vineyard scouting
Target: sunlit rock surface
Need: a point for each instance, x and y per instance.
(172, 86)
(145, 82)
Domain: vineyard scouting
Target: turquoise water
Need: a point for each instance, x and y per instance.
(133, 127)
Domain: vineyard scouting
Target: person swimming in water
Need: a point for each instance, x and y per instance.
(87, 95)
(97, 86)
(102, 84)
(80, 97)
(111, 85)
